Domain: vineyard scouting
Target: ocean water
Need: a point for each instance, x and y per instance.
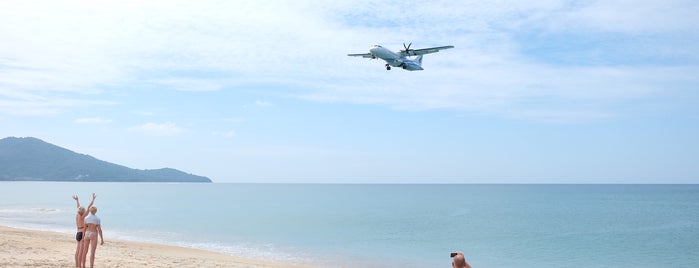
(359, 225)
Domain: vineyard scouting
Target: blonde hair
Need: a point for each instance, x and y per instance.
(93, 209)
(81, 210)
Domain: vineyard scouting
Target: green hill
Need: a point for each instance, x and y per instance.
(31, 159)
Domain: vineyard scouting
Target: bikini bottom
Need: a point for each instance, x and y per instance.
(89, 234)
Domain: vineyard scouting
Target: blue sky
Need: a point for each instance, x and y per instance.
(262, 91)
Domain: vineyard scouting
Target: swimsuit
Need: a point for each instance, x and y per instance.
(89, 234)
(79, 235)
(91, 219)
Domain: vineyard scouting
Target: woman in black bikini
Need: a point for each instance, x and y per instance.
(80, 222)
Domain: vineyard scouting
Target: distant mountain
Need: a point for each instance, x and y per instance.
(31, 159)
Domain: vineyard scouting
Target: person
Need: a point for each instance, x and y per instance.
(94, 228)
(80, 223)
(459, 261)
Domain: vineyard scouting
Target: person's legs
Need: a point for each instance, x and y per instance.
(78, 248)
(93, 247)
(83, 252)
(77, 255)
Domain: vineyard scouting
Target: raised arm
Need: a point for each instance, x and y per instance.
(91, 203)
(76, 200)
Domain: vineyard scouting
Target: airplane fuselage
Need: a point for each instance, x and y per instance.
(400, 58)
(394, 59)
(384, 53)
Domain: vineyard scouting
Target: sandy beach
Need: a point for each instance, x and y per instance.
(29, 248)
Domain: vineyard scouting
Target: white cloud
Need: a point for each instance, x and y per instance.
(49, 47)
(24, 103)
(263, 103)
(188, 84)
(650, 16)
(92, 120)
(155, 129)
(225, 134)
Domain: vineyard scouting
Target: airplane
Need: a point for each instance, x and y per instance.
(400, 58)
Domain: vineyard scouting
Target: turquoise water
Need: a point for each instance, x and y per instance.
(330, 225)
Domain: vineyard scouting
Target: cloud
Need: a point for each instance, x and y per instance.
(225, 134)
(31, 103)
(654, 16)
(155, 129)
(263, 103)
(92, 120)
(301, 46)
(188, 84)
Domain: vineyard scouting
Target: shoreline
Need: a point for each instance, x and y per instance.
(33, 248)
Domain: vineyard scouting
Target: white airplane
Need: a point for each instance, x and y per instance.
(400, 58)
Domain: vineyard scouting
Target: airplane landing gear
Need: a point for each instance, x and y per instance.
(388, 67)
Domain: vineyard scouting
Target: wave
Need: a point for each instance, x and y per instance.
(29, 210)
(245, 250)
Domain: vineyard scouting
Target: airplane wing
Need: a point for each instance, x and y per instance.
(422, 51)
(363, 55)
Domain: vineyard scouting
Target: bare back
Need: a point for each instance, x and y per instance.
(93, 223)
(80, 221)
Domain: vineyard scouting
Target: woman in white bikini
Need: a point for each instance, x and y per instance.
(80, 222)
(94, 228)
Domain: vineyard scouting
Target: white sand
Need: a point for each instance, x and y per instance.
(28, 248)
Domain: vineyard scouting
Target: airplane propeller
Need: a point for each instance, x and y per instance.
(407, 48)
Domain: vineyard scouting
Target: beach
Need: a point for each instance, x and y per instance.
(30, 248)
(327, 225)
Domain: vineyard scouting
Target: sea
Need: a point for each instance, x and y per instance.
(385, 225)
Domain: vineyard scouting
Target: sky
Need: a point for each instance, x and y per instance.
(263, 91)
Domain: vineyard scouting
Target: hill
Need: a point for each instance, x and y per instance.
(31, 159)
